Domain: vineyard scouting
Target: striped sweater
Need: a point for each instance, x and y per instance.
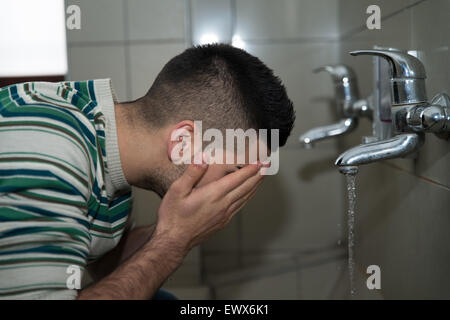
(64, 200)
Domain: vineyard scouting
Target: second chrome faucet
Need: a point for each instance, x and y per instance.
(349, 105)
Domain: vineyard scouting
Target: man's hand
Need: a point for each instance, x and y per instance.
(188, 215)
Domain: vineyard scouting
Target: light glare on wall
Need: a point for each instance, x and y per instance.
(238, 42)
(209, 38)
(33, 38)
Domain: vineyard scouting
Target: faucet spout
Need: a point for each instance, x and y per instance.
(397, 147)
(344, 126)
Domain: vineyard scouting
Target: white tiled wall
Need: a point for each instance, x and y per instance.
(156, 20)
(211, 18)
(287, 19)
(301, 210)
(146, 60)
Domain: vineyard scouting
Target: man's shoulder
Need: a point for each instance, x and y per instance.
(58, 105)
(68, 95)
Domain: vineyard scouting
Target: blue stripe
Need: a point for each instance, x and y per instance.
(120, 199)
(88, 108)
(30, 230)
(36, 173)
(75, 99)
(91, 90)
(47, 213)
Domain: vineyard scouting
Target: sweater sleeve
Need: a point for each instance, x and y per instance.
(44, 194)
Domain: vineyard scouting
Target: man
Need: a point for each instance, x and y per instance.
(69, 154)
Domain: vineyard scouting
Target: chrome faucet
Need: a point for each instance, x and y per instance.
(412, 114)
(350, 107)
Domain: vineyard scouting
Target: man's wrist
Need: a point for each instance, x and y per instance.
(172, 249)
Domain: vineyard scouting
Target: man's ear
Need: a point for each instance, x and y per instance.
(180, 142)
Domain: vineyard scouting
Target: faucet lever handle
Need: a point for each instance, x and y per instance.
(402, 65)
(338, 72)
(407, 73)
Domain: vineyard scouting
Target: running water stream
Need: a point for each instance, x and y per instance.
(350, 174)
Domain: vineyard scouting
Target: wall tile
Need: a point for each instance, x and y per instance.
(283, 286)
(101, 20)
(299, 208)
(214, 263)
(211, 19)
(98, 62)
(284, 19)
(188, 274)
(146, 61)
(401, 226)
(320, 282)
(153, 19)
(190, 292)
(145, 206)
(221, 252)
(225, 240)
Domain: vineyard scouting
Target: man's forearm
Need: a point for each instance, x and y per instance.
(128, 245)
(141, 275)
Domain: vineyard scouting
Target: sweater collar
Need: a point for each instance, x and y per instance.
(114, 177)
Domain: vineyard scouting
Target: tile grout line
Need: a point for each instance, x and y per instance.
(431, 181)
(126, 31)
(187, 23)
(233, 18)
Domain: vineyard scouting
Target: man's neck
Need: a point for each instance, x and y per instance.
(139, 149)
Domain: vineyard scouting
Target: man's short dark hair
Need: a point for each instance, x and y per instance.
(225, 87)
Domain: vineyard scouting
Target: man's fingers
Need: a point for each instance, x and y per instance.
(239, 204)
(244, 188)
(235, 179)
(190, 177)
